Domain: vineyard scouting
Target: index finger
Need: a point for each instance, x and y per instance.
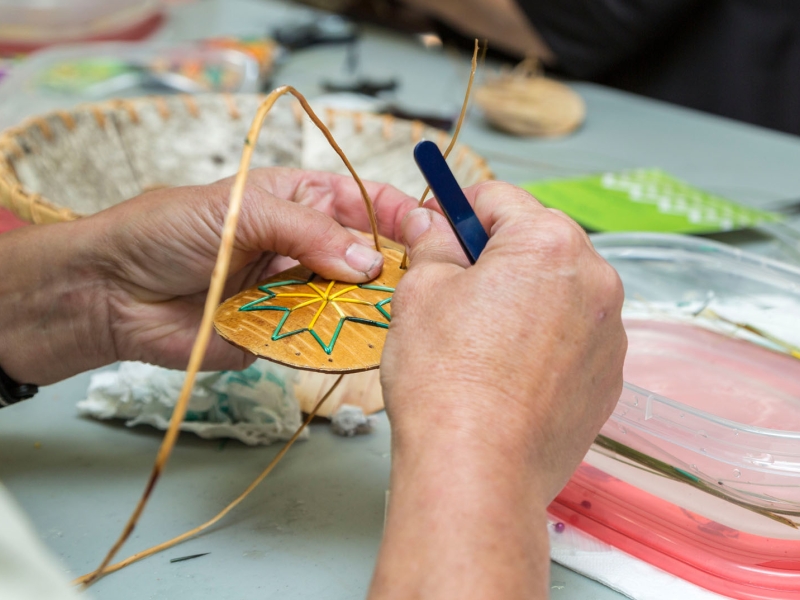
(339, 197)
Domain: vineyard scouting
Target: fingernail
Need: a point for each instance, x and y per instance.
(417, 222)
(363, 259)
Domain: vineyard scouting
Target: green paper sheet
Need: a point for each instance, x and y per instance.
(645, 200)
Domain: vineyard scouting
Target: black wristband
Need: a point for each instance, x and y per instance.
(12, 392)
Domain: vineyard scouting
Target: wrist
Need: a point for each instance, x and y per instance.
(471, 417)
(453, 451)
(453, 505)
(479, 453)
(479, 425)
(53, 310)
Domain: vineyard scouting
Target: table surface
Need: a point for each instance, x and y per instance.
(313, 528)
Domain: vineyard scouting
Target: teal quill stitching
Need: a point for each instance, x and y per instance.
(325, 298)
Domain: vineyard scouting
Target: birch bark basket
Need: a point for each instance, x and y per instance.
(69, 164)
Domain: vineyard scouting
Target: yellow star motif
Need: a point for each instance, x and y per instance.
(324, 297)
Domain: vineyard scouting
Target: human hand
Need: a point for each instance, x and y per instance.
(521, 352)
(167, 245)
(496, 378)
(129, 283)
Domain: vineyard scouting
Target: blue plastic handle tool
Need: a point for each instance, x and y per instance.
(468, 229)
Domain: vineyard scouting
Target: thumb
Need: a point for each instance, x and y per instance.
(429, 239)
(313, 238)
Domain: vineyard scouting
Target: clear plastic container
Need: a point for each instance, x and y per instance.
(698, 469)
(704, 392)
(27, 25)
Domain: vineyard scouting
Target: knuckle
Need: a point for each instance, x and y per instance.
(558, 212)
(499, 195)
(502, 190)
(559, 240)
(623, 349)
(495, 188)
(252, 196)
(488, 187)
(324, 231)
(612, 289)
(299, 230)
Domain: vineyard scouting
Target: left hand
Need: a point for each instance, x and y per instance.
(141, 269)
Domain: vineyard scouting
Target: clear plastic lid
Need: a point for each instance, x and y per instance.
(712, 373)
(698, 469)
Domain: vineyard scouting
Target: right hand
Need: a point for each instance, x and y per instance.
(520, 354)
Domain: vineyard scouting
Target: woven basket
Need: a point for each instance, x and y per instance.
(69, 164)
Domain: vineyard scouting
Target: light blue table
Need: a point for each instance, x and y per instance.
(313, 528)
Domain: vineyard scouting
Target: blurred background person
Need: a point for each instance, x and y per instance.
(735, 58)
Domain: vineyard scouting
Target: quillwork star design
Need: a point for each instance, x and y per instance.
(319, 298)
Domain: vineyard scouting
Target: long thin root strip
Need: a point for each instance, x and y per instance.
(451, 145)
(214, 296)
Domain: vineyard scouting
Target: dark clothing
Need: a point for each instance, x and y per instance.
(736, 58)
